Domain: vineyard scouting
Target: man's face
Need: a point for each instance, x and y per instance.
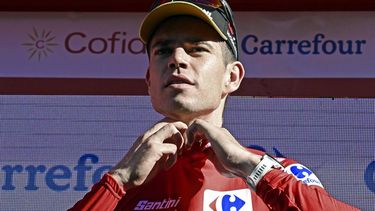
(186, 73)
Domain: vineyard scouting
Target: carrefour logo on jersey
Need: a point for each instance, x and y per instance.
(239, 200)
(303, 174)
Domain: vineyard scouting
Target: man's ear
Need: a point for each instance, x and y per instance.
(234, 75)
(147, 80)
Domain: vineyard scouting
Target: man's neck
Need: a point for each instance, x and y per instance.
(214, 117)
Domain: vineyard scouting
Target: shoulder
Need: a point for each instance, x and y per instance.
(296, 169)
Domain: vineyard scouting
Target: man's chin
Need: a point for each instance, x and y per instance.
(179, 104)
(176, 114)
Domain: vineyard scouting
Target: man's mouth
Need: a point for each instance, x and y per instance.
(178, 81)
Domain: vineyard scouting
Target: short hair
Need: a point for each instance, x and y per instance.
(228, 56)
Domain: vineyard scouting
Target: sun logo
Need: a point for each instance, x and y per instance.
(41, 44)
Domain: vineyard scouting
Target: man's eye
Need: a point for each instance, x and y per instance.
(197, 50)
(162, 51)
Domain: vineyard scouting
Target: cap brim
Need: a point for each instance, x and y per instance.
(164, 11)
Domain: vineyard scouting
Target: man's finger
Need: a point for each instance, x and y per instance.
(168, 149)
(154, 129)
(169, 157)
(170, 161)
(197, 131)
(146, 135)
(170, 131)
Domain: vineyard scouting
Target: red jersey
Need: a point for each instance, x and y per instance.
(193, 184)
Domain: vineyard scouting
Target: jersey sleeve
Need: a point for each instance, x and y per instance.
(104, 195)
(281, 190)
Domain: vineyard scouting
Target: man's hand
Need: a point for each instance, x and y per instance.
(158, 149)
(230, 157)
(155, 150)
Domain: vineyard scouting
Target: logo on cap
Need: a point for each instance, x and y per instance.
(232, 38)
(208, 13)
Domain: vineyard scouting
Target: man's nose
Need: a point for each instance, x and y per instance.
(178, 59)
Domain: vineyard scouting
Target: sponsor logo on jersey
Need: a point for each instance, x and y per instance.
(239, 200)
(157, 205)
(302, 173)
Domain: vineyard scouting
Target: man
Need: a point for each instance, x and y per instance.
(188, 161)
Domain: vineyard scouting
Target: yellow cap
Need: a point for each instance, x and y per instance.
(174, 8)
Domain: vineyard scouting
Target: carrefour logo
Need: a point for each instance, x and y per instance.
(41, 43)
(239, 200)
(303, 174)
(318, 44)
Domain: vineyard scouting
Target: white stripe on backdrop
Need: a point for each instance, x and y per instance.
(272, 44)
